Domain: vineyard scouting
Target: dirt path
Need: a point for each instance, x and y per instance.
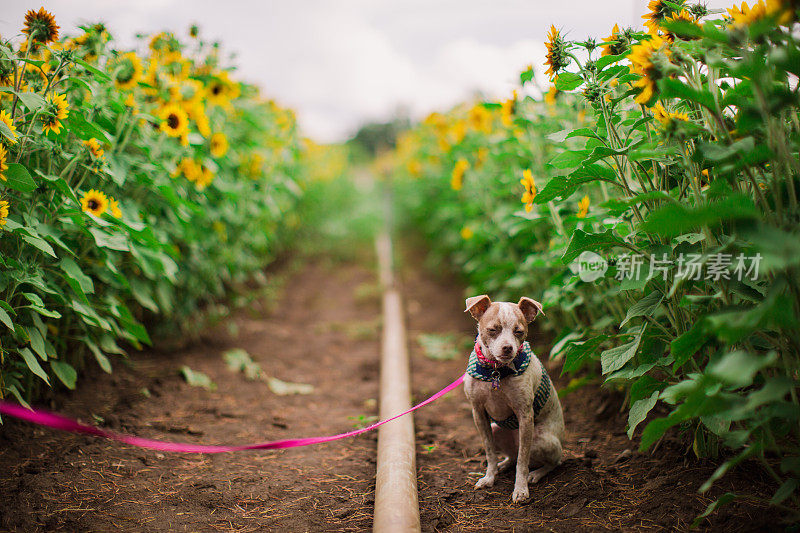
(323, 331)
(604, 484)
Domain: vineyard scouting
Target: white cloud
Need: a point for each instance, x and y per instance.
(339, 63)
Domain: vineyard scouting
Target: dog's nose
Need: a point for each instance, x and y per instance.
(507, 349)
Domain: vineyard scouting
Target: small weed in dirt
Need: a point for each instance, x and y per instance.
(197, 379)
(368, 292)
(238, 360)
(443, 346)
(362, 421)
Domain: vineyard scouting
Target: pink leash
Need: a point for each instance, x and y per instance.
(52, 420)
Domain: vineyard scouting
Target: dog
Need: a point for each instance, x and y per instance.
(514, 403)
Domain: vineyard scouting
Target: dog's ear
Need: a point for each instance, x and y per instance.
(477, 305)
(530, 308)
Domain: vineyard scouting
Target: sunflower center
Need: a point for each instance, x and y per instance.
(216, 90)
(173, 121)
(93, 204)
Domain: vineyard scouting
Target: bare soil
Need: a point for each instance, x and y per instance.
(324, 330)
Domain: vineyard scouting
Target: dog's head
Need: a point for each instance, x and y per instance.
(502, 326)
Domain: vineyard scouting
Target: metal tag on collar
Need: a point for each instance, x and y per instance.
(495, 380)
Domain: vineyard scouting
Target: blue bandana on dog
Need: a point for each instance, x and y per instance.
(479, 370)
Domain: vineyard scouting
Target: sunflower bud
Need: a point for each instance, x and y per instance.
(557, 53)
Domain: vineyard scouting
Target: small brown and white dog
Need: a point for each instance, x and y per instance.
(514, 403)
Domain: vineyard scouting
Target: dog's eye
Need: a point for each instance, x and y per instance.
(519, 332)
(494, 330)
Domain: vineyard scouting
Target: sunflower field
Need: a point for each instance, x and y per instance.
(135, 187)
(649, 198)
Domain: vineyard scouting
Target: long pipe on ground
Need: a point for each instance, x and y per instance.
(396, 503)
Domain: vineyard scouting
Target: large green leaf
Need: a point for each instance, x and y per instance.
(674, 218)
(18, 178)
(80, 282)
(644, 307)
(638, 412)
(582, 241)
(33, 363)
(578, 353)
(568, 81)
(615, 358)
(65, 372)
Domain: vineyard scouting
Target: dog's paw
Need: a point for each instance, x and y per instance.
(485, 482)
(520, 494)
(505, 464)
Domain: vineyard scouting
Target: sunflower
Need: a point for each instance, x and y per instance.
(641, 58)
(530, 189)
(5, 118)
(188, 168)
(204, 178)
(550, 95)
(557, 57)
(583, 207)
(480, 119)
(746, 15)
(94, 202)
(457, 178)
(683, 16)
(57, 110)
(784, 10)
(507, 110)
(618, 42)
(6, 72)
(3, 162)
(659, 11)
(164, 43)
(127, 71)
(219, 144)
(4, 205)
(666, 118)
(40, 26)
(113, 208)
(94, 147)
(467, 233)
(221, 89)
(174, 120)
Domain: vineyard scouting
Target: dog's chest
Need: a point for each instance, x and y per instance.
(515, 394)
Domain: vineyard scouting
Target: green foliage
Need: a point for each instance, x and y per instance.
(136, 189)
(692, 204)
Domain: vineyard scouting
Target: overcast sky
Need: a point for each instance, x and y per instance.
(340, 63)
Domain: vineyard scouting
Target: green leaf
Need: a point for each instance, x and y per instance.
(685, 346)
(577, 353)
(110, 241)
(675, 219)
(738, 368)
(6, 319)
(570, 158)
(19, 179)
(39, 243)
(713, 506)
(674, 88)
(638, 412)
(65, 373)
(33, 364)
(80, 282)
(94, 70)
(567, 81)
(784, 491)
(644, 307)
(197, 379)
(5, 130)
(37, 342)
(32, 101)
(582, 241)
(615, 358)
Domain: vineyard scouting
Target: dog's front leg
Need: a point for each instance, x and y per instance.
(521, 493)
(485, 430)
